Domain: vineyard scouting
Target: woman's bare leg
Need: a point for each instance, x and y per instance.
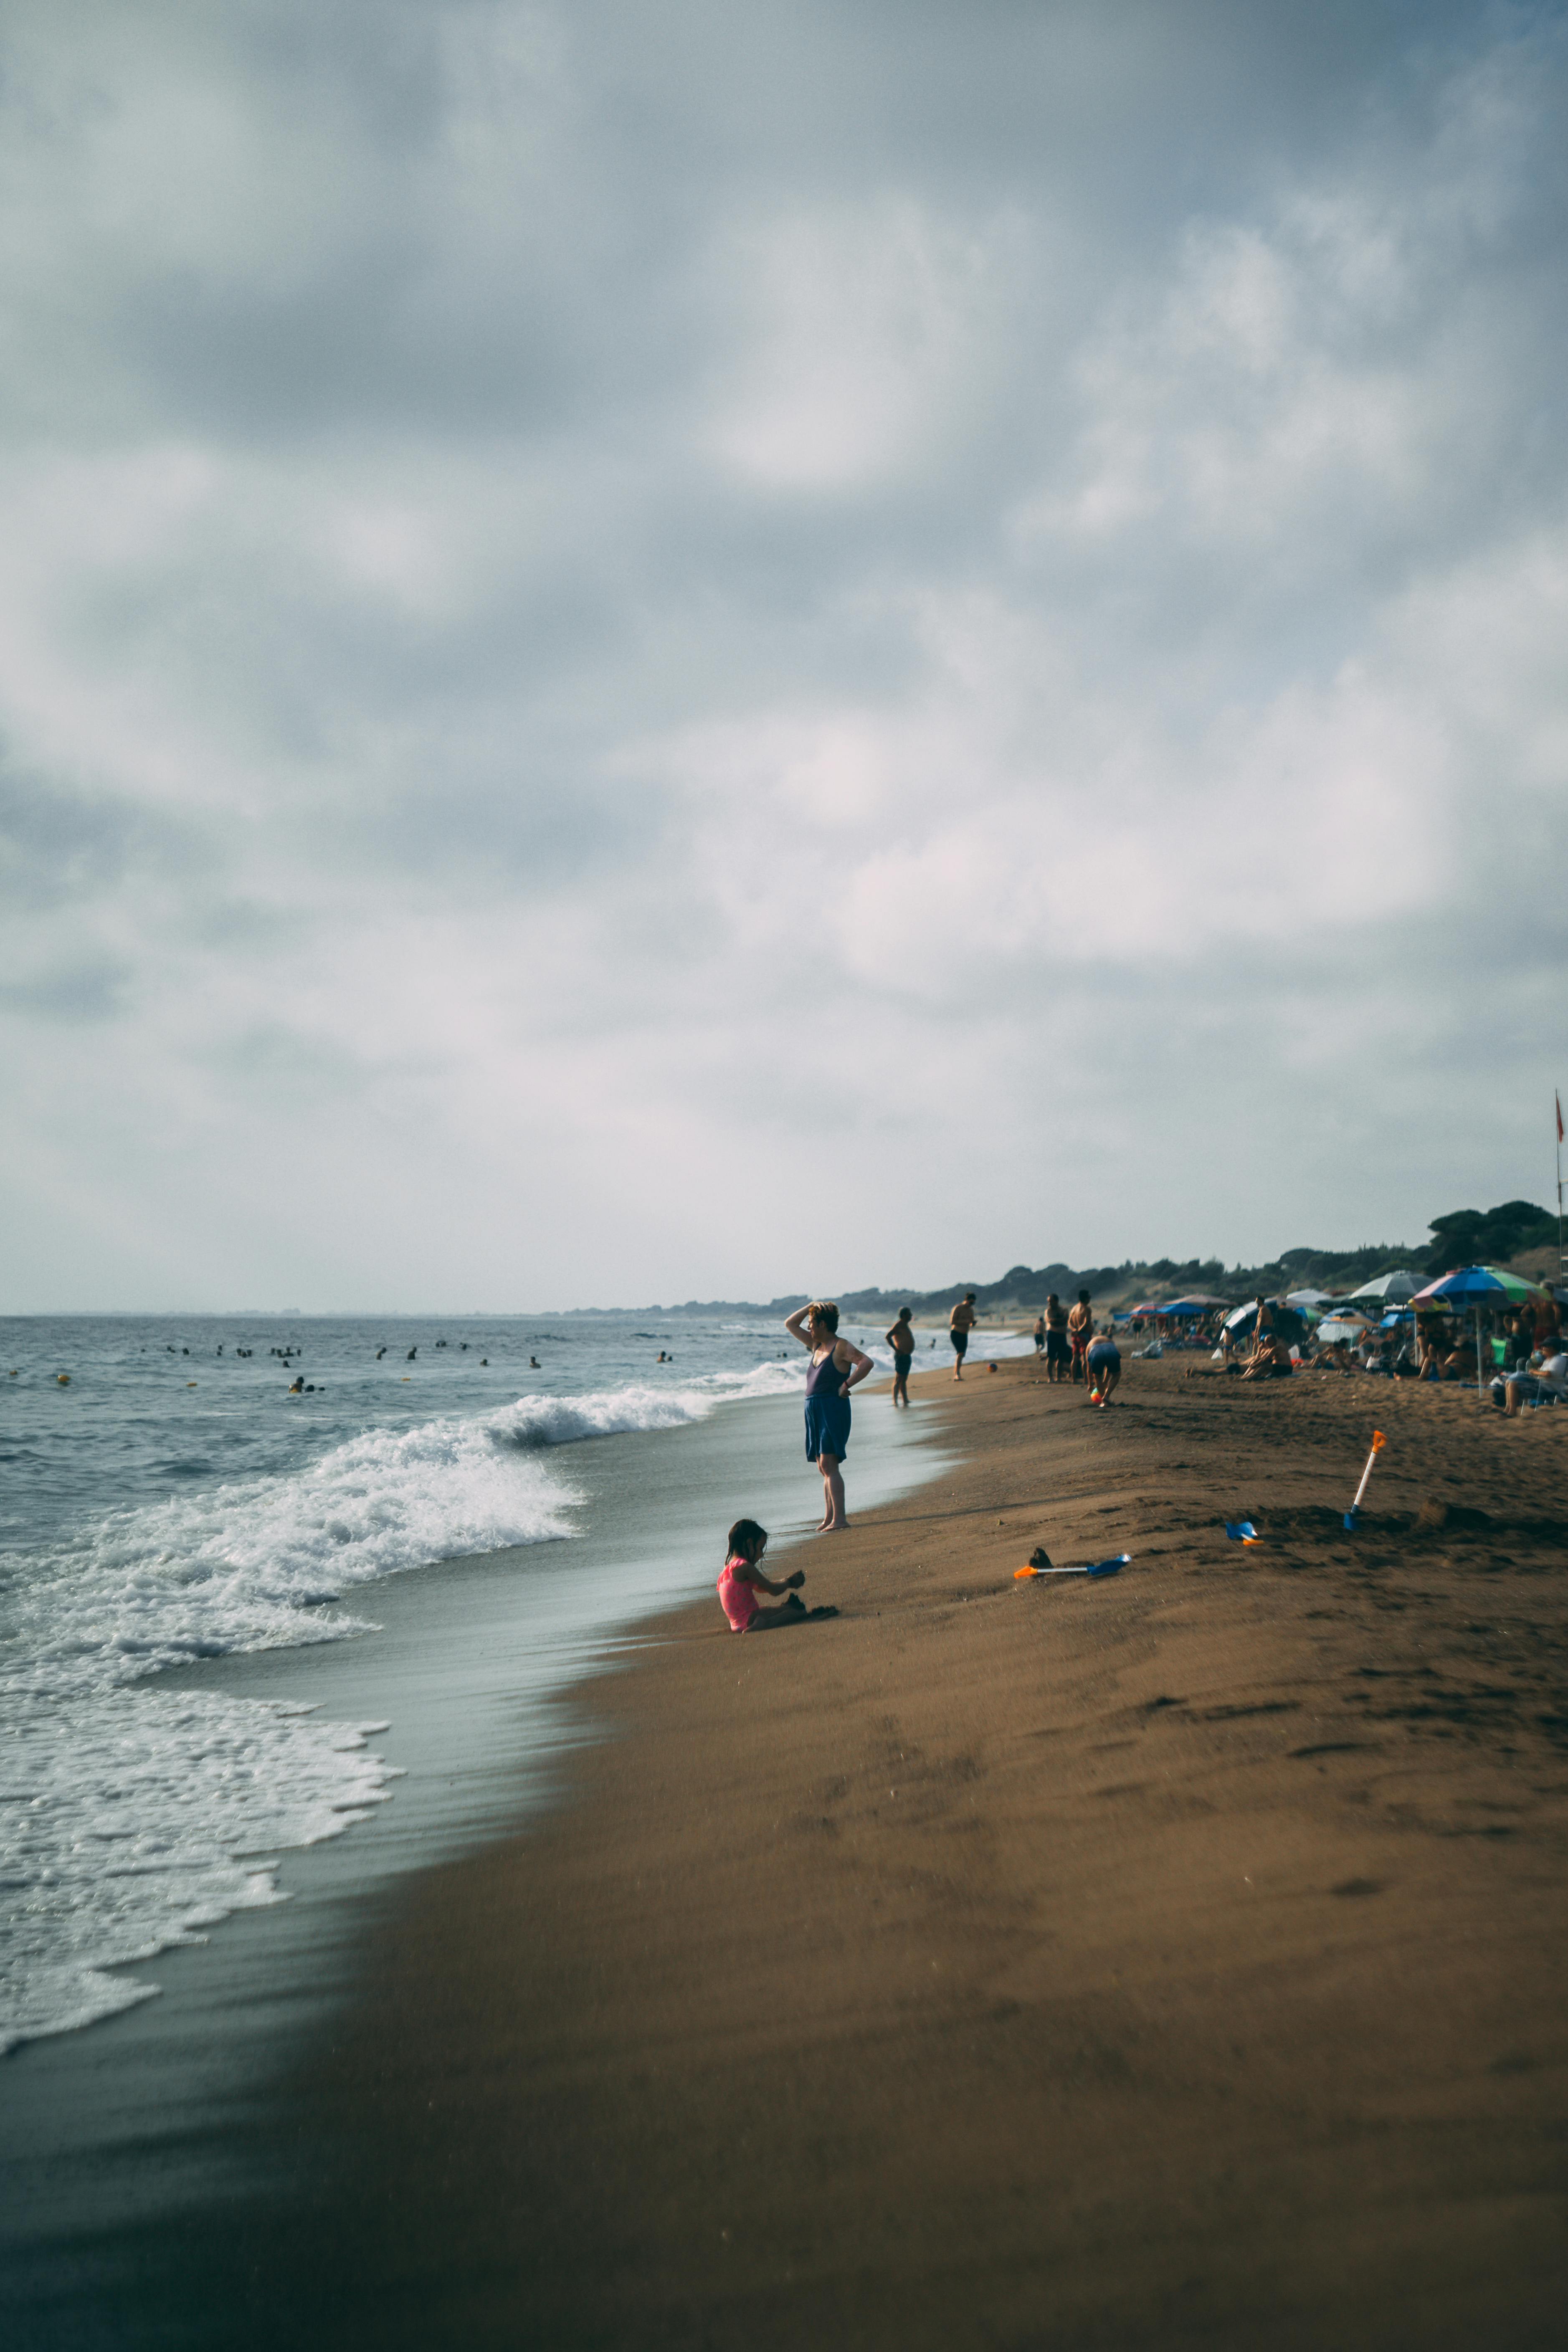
(832, 1485)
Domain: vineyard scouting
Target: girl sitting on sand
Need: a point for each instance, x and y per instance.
(741, 1579)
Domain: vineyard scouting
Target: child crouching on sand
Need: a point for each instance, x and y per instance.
(741, 1579)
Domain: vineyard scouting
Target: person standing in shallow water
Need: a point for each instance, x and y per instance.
(901, 1339)
(836, 1367)
(960, 1324)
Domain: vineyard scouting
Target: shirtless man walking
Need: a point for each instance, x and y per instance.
(1080, 1331)
(960, 1324)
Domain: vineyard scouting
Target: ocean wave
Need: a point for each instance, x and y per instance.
(140, 1812)
(138, 1819)
(259, 1563)
(533, 1423)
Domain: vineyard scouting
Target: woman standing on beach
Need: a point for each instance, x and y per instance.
(836, 1367)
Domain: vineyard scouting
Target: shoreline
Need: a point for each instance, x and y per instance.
(1167, 1959)
(473, 1672)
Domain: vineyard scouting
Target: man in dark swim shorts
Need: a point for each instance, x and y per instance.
(1057, 1351)
(960, 1323)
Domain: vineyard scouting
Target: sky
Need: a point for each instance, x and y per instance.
(675, 652)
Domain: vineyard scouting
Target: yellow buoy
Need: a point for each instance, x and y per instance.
(64, 1379)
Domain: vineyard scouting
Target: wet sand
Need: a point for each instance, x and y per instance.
(1174, 1959)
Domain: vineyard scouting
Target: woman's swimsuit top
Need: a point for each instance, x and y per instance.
(824, 1379)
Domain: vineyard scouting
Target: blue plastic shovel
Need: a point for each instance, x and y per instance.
(1084, 1567)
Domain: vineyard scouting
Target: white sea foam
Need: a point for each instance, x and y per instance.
(142, 1817)
(137, 1813)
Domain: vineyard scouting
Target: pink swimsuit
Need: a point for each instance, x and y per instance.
(738, 1599)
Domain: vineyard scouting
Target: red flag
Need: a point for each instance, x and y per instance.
(1559, 1118)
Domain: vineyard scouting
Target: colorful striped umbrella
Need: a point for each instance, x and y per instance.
(1475, 1289)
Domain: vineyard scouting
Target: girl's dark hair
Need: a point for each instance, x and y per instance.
(747, 1540)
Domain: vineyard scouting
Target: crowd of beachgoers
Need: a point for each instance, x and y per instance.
(1481, 1327)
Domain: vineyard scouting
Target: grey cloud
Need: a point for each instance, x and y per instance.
(77, 993)
(291, 1064)
(751, 559)
(60, 843)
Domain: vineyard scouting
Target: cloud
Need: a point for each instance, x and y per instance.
(609, 631)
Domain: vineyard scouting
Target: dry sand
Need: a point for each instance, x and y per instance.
(1174, 1959)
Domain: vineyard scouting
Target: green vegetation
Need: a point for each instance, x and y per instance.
(1489, 1236)
(1463, 1237)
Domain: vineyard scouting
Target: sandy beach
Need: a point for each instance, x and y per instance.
(1170, 1959)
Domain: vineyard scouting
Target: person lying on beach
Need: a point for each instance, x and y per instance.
(1104, 1361)
(740, 1579)
(901, 1339)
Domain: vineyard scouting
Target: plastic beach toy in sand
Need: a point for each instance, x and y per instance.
(1242, 1531)
(1040, 1564)
(1378, 1442)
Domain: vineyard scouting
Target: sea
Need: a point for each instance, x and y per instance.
(178, 1493)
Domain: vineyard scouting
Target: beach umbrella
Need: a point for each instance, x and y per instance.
(1480, 1285)
(1242, 1318)
(1401, 1285)
(1343, 1327)
(1306, 1299)
(1472, 1289)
